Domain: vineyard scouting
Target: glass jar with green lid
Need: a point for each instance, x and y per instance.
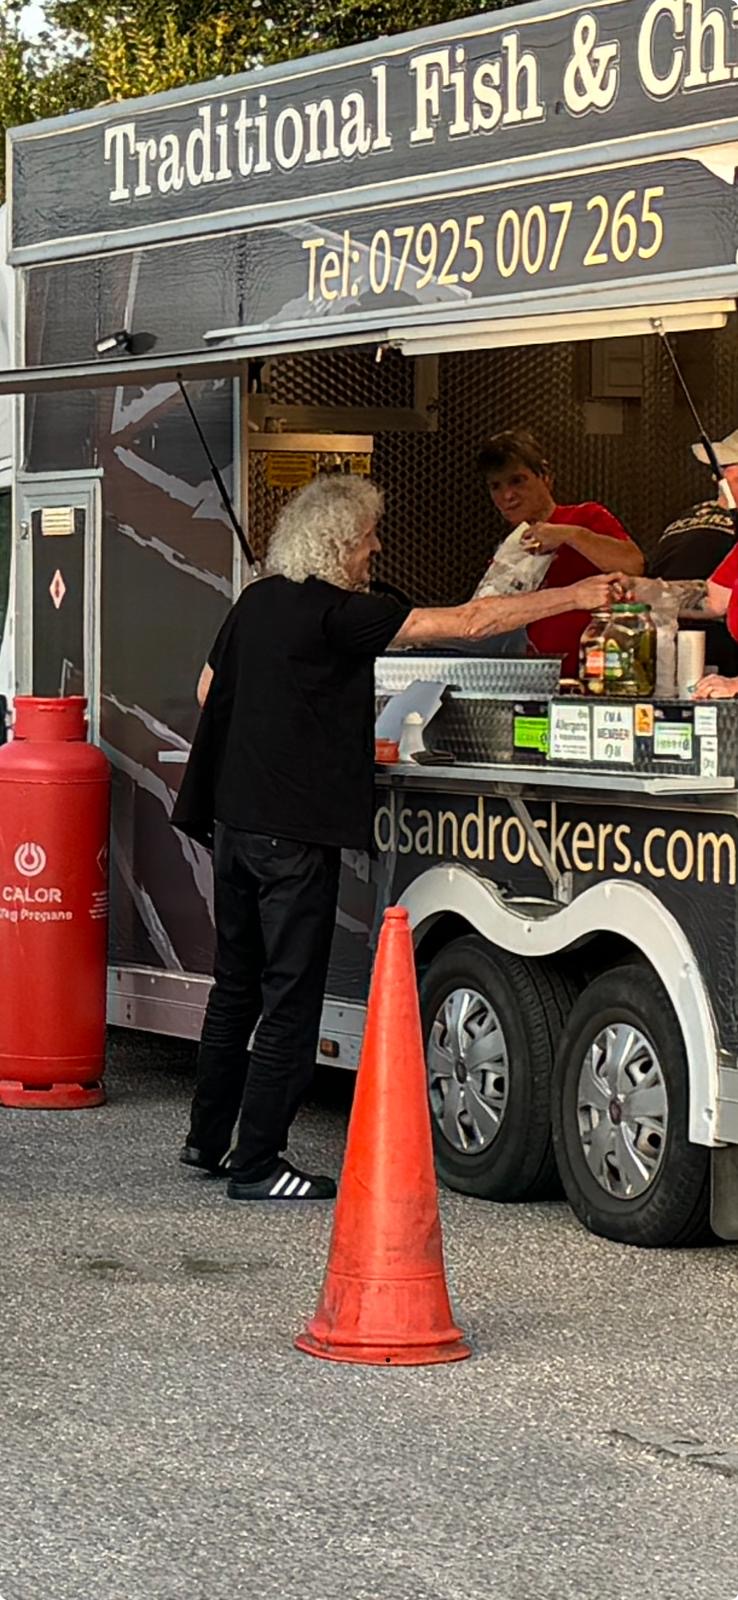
(618, 652)
(592, 653)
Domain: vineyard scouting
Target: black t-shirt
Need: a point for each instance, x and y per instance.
(692, 547)
(293, 698)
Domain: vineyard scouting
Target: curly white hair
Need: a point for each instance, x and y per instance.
(319, 526)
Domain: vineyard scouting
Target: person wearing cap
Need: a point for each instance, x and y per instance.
(697, 545)
(584, 538)
(714, 597)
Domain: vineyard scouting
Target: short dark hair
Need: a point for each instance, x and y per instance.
(515, 445)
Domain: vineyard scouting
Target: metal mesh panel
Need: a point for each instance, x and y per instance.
(342, 378)
(480, 728)
(712, 369)
(483, 731)
(439, 528)
(265, 504)
(646, 761)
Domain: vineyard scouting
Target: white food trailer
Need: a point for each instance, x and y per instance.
(368, 261)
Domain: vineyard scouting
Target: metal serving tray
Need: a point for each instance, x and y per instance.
(498, 678)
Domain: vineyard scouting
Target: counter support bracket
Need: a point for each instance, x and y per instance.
(562, 883)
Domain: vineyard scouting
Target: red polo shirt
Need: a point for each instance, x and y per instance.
(727, 576)
(560, 635)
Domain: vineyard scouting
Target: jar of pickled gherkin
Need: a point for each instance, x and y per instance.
(622, 653)
(630, 651)
(592, 653)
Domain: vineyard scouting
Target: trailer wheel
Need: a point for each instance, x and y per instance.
(491, 1022)
(620, 1116)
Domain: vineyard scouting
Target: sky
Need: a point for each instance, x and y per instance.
(33, 17)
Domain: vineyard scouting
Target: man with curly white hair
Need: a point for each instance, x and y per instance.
(279, 780)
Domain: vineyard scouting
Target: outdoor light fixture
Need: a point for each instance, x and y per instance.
(114, 344)
(507, 332)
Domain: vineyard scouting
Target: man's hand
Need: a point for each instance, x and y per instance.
(543, 537)
(713, 687)
(624, 587)
(603, 550)
(592, 594)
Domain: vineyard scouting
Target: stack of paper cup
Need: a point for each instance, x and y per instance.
(690, 662)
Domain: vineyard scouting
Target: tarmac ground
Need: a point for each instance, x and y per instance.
(161, 1438)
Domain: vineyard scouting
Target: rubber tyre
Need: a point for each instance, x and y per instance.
(674, 1211)
(531, 1004)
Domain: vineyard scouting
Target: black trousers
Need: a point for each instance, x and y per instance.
(275, 907)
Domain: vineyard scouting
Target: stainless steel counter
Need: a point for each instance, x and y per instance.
(505, 777)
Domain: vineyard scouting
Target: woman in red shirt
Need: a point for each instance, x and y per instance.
(586, 538)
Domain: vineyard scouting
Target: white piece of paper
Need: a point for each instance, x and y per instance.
(570, 736)
(418, 696)
(613, 735)
(705, 720)
(673, 740)
(708, 757)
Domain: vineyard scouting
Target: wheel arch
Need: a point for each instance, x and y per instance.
(626, 910)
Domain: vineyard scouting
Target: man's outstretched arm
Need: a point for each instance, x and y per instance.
(482, 619)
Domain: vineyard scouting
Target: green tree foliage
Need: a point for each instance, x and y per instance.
(42, 80)
(93, 51)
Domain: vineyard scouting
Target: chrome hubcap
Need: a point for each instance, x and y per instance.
(468, 1071)
(623, 1111)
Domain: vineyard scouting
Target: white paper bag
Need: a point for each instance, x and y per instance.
(513, 568)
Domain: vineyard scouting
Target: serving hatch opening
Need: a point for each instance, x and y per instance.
(598, 392)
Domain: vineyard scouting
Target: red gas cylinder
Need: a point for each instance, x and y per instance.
(54, 820)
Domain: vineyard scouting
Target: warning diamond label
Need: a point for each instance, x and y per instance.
(57, 588)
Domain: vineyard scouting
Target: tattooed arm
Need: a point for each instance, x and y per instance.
(699, 598)
(696, 598)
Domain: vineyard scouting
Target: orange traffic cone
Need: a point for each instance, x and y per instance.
(384, 1298)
